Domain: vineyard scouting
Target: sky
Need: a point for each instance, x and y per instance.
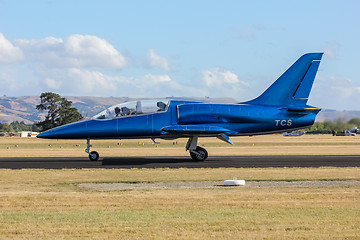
(184, 48)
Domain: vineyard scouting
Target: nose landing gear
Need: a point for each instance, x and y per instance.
(93, 155)
(197, 153)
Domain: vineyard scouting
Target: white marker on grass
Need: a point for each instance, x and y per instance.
(234, 182)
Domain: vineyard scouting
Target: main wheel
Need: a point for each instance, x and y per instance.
(200, 154)
(93, 156)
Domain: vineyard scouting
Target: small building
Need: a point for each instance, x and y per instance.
(25, 134)
(28, 134)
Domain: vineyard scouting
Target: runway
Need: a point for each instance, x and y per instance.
(183, 162)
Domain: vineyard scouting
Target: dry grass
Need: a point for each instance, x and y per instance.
(312, 213)
(47, 204)
(257, 145)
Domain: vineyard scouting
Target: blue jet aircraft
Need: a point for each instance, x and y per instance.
(282, 107)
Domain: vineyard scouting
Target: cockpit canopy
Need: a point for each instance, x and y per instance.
(133, 108)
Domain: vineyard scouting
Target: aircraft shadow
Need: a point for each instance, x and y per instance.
(144, 160)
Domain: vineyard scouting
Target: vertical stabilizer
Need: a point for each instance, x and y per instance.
(293, 86)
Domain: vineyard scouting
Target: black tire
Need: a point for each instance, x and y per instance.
(200, 154)
(93, 156)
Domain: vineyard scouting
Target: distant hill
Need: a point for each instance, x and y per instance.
(333, 115)
(19, 109)
(24, 108)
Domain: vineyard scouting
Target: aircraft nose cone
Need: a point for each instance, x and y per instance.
(45, 134)
(69, 131)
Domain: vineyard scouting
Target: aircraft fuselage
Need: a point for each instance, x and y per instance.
(195, 118)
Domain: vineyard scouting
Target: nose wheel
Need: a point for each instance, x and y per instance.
(197, 153)
(93, 156)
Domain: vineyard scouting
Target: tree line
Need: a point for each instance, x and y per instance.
(338, 125)
(17, 126)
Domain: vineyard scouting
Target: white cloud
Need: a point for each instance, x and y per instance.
(81, 65)
(153, 60)
(8, 52)
(7, 79)
(335, 92)
(222, 83)
(162, 86)
(331, 50)
(92, 83)
(93, 51)
(218, 76)
(47, 51)
(87, 65)
(52, 83)
(80, 82)
(80, 51)
(150, 79)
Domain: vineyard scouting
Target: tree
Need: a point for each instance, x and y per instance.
(59, 110)
(5, 127)
(20, 126)
(355, 121)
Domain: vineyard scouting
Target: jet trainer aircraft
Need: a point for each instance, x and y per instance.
(281, 108)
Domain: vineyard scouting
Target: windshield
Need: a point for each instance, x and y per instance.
(133, 108)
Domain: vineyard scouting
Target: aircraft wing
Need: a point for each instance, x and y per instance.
(194, 129)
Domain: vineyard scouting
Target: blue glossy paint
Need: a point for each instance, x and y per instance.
(303, 91)
(282, 90)
(282, 107)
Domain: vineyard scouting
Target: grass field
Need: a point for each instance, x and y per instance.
(49, 204)
(257, 145)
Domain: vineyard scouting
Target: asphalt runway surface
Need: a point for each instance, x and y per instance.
(183, 162)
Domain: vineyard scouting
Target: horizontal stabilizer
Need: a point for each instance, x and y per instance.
(303, 109)
(194, 129)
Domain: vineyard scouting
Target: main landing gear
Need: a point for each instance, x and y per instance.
(93, 156)
(197, 153)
